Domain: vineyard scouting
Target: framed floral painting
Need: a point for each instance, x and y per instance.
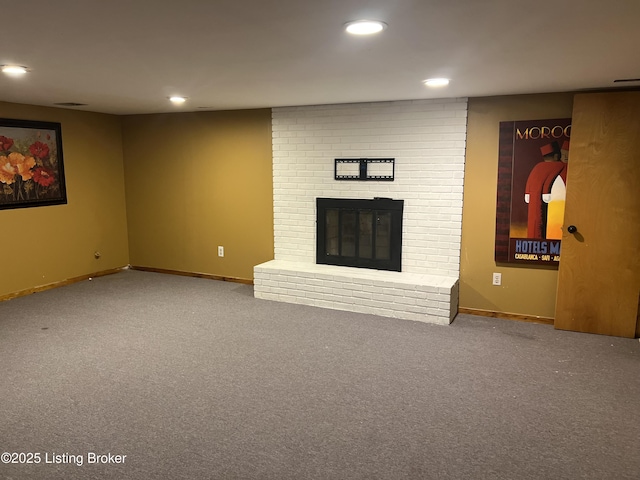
(31, 166)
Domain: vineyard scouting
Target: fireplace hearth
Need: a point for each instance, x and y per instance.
(360, 233)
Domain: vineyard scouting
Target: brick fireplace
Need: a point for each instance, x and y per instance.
(427, 140)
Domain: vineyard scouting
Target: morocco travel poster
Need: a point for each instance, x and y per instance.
(532, 176)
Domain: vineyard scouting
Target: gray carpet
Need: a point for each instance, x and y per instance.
(195, 379)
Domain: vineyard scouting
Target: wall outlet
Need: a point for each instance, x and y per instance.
(220, 251)
(497, 278)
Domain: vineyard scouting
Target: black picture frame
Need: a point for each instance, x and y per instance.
(31, 164)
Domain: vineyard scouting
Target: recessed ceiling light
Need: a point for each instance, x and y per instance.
(365, 27)
(14, 69)
(177, 100)
(436, 82)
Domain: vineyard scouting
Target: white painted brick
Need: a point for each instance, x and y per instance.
(426, 137)
(363, 291)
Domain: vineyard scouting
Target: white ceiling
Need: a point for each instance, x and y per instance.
(128, 56)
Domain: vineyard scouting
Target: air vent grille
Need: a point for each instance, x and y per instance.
(70, 104)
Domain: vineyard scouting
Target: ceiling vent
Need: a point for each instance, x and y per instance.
(70, 104)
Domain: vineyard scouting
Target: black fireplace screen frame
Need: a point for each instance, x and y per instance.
(376, 208)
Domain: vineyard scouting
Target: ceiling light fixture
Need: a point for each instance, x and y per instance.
(365, 27)
(436, 82)
(14, 69)
(177, 100)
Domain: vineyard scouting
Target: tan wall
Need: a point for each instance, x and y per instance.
(198, 180)
(43, 245)
(195, 181)
(525, 290)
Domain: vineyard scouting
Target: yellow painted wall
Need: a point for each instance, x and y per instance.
(43, 245)
(525, 290)
(195, 181)
(198, 180)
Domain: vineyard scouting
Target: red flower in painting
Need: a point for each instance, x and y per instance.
(5, 143)
(43, 176)
(39, 149)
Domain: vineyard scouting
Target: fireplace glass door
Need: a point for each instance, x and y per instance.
(360, 233)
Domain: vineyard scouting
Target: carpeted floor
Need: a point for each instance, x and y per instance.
(195, 379)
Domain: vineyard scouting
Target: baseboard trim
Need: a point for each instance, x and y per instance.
(507, 316)
(193, 274)
(61, 283)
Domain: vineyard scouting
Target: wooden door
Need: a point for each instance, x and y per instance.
(599, 272)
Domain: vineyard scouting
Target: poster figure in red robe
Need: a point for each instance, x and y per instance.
(538, 189)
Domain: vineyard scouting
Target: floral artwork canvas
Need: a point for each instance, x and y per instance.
(31, 164)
